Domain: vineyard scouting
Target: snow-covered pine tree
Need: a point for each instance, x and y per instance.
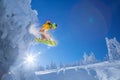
(62, 65)
(85, 56)
(53, 65)
(88, 59)
(91, 58)
(113, 49)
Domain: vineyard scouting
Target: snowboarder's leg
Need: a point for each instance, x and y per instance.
(46, 39)
(45, 36)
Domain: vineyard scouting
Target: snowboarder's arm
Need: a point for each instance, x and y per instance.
(43, 28)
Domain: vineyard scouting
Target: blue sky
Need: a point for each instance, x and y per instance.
(82, 27)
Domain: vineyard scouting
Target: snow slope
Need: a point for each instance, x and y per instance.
(99, 71)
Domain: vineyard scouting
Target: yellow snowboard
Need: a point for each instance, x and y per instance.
(47, 42)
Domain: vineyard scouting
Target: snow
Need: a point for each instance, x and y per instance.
(89, 70)
(16, 17)
(17, 22)
(89, 59)
(99, 71)
(113, 49)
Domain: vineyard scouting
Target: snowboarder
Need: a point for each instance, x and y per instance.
(45, 36)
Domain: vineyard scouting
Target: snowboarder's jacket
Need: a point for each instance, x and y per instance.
(46, 26)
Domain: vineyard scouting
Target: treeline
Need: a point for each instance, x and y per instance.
(87, 59)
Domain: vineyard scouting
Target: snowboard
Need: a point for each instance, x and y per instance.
(47, 42)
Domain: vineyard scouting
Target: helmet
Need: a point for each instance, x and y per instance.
(48, 22)
(54, 25)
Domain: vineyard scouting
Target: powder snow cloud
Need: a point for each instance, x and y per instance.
(16, 17)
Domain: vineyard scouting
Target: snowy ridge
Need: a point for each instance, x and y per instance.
(98, 71)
